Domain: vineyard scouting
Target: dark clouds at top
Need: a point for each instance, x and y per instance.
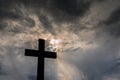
(61, 10)
(70, 9)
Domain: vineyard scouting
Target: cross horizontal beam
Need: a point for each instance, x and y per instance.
(36, 53)
(29, 52)
(48, 54)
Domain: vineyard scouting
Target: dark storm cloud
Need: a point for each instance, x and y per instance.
(113, 30)
(70, 7)
(6, 3)
(112, 24)
(61, 10)
(2, 25)
(114, 17)
(73, 8)
(68, 10)
(5, 14)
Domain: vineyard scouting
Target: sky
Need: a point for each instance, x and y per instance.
(85, 34)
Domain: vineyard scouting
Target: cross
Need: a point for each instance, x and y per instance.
(41, 54)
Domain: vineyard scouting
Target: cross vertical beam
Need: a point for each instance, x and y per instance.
(40, 67)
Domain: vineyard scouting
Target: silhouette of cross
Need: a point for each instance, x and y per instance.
(41, 54)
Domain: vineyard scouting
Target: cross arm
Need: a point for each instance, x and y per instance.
(29, 52)
(48, 54)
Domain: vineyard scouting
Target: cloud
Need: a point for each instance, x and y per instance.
(111, 25)
(46, 23)
(60, 10)
(32, 77)
(98, 62)
(114, 17)
(69, 9)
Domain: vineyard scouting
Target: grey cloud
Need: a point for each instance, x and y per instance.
(19, 23)
(114, 17)
(60, 10)
(4, 14)
(2, 25)
(12, 66)
(77, 7)
(2, 71)
(46, 23)
(29, 22)
(98, 67)
(97, 63)
(111, 24)
(112, 73)
(32, 77)
(11, 10)
(112, 30)
(68, 10)
(113, 70)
